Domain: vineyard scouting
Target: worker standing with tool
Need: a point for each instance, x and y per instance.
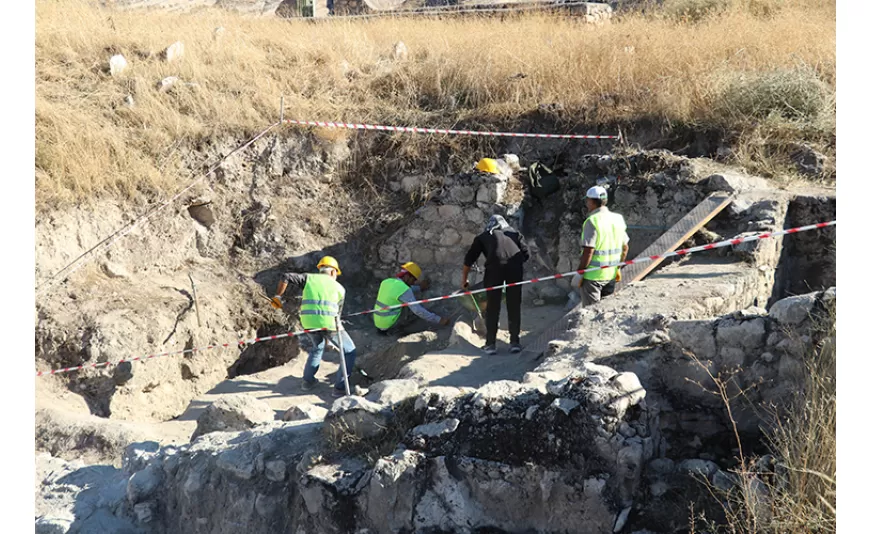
(322, 302)
(506, 251)
(405, 287)
(605, 242)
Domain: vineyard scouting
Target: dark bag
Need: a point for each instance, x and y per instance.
(543, 180)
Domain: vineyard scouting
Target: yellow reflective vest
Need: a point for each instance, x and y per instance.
(609, 231)
(321, 298)
(388, 295)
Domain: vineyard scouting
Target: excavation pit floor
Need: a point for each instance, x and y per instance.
(462, 364)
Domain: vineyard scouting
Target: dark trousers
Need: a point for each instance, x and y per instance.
(497, 275)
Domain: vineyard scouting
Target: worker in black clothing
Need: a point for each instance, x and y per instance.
(506, 251)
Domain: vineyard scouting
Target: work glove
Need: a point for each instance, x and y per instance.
(618, 275)
(276, 302)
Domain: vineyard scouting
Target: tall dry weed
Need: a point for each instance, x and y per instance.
(794, 490)
(474, 71)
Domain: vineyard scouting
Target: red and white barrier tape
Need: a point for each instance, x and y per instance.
(175, 353)
(79, 262)
(413, 129)
(683, 252)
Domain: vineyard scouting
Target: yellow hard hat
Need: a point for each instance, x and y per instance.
(413, 268)
(329, 261)
(487, 165)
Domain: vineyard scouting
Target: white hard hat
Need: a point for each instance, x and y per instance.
(596, 192)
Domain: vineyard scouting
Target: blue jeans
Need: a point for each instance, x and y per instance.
(315, 342)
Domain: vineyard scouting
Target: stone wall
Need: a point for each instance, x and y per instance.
(543, 455)
(440, 233)
(761, 355)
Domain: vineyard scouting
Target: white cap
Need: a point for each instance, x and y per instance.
(596, 192)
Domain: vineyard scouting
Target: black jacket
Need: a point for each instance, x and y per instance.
(500, 248)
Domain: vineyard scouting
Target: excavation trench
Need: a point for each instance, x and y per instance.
(264, 216)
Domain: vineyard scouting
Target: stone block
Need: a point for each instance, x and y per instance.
(143, 484)
(117, 64)
(476, 216)
(390, 392)
(438, 429)
(356, 416)
(695, 336)
(449, 212)
(732, 357)
(305, 412)
(449, 237)
(748, 335)
(793, 310)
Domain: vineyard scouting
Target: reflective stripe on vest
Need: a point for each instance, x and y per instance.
(323, 303)
(321, 299)
(609, 232)
(388, 295)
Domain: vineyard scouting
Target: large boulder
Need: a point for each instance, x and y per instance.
(390, 392)
(793, 310)
(356, 416)
(233, 412)
(695, 336)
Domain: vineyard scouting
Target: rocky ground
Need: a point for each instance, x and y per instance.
(596, 423)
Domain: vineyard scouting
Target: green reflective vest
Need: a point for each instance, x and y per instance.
(609, 232)
(388, 295)
(321, 299)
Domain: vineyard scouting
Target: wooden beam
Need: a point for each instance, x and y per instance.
(675, 236)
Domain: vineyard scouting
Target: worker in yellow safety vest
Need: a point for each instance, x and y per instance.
(605, 242)
(322, 302)
(403, 288)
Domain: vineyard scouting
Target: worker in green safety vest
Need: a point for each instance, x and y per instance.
(605, 242)
(403, 288)
(322, 302)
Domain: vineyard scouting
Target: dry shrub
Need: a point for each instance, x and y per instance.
(340, 441)
(795, 492)
(792, 94)
(465, 71)
(694, 10)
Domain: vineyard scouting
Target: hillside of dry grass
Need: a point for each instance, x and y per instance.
(765, 74)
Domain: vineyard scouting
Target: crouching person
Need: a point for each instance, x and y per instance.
(403, 288)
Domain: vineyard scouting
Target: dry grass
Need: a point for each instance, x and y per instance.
(340, 441)
(460, 71)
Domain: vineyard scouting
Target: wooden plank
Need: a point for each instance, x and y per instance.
(675, 236)
(668, 242)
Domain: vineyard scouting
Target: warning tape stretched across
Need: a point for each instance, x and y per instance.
(79, 262)
(241, 342)
(683, 252)
(413, 129)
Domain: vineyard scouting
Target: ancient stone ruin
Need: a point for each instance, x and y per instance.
(605, 423)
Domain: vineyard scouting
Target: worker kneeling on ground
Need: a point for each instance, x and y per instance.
(605, 242)
(322, 302)
(403, 288)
